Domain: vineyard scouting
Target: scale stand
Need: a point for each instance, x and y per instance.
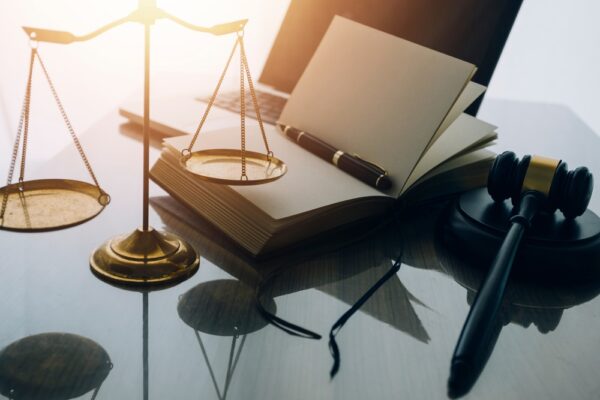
(145, 256)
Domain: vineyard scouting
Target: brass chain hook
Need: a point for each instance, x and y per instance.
(23, 121)
(33, 42)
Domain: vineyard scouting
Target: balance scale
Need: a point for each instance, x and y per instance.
(145, 256)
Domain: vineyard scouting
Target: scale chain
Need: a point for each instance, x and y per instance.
(212, 100)
(244, 74)
(26, 124)
(242, 110)
(103, 194)
(254, 99)
(22, 122)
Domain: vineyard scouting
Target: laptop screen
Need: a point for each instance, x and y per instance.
(472, 30)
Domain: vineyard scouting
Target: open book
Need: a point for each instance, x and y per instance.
(395, 103)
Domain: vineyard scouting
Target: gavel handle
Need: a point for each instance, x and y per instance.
(470, 351)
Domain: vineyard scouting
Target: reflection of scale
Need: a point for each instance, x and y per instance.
(53, 366)
(145, 256)
(223, 307)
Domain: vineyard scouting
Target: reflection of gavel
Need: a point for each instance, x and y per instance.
(534, 184)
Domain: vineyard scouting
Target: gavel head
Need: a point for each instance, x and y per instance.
(568, 191)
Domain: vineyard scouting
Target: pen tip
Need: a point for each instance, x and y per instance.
(458, 382)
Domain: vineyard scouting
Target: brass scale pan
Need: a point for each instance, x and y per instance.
(46, 204)
(49, 204)
(234, 166)
(223, 166)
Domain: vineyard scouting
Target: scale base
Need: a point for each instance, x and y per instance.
(145, 258)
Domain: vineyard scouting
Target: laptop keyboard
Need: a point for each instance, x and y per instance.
(270, 104)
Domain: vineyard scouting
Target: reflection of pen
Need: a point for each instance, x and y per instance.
(367, 172)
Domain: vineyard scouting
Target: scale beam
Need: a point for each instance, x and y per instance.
(217, 30)
(145, 14)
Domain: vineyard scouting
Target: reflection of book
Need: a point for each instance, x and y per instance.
(344, 274)
(395, 103)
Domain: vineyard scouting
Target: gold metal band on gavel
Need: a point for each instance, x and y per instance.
(539, 174)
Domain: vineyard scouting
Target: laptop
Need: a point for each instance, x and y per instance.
(471, 30)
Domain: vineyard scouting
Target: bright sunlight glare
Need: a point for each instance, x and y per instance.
(103, 72)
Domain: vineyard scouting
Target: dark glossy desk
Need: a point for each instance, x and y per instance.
(177, 343)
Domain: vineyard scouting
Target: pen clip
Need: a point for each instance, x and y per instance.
(381, 169)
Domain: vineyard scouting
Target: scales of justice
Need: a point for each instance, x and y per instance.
(145, 256)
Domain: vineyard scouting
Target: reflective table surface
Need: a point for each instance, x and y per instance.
(205, 339)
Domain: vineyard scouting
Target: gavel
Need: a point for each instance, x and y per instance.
(534, 184)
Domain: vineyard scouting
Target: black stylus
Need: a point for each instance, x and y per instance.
(472, 348)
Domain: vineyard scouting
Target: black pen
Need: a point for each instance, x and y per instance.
(365, 171)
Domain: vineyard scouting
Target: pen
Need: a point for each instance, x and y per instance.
(365, 171)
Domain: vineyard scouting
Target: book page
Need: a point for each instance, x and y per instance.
(461, 161)
(466, 98)
(310, 182)
(461, 173)
(463, 133)
(376, 95)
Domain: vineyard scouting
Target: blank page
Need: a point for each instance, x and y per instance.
(463, 133)
(376, 95)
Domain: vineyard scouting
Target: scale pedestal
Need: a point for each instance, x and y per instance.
(145, 257)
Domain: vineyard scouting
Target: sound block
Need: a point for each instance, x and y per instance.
(554, 249)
